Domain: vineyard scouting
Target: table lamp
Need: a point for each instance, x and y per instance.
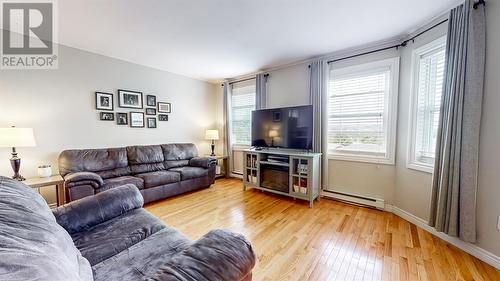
(212, 135)
(273, 134)
(16, 137)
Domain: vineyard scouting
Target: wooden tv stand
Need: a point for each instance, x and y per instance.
(290, 173)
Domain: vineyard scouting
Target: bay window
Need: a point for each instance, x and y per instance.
(362, 111)
(428, 64)
(242, 105)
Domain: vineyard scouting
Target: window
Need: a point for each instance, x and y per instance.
(428, 72)
(242, 104)
(362, 107)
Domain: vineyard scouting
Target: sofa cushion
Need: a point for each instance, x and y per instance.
(32, 245)
(190, 172)
(113, 236)
(88, 212)
(231, 252)
(175, 163)
(142, 259)
(119, 181)
(153, 179)
(145, 158)
(107, 163)
(118, 172)
(179, 151)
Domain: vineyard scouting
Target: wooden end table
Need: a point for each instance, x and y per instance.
(225, 171)
(57, 180)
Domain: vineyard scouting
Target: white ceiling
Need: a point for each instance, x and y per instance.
(216, 39)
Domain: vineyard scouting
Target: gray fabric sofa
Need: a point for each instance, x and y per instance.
(109, 237)
(158, 171)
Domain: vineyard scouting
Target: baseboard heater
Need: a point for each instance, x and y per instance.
(355, 198)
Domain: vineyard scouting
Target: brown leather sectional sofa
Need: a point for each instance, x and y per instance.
(158, 171)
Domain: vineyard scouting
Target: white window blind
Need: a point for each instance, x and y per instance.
(428, 64)
(242, 104)
(360, 112)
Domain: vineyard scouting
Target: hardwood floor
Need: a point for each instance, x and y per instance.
(332, 241)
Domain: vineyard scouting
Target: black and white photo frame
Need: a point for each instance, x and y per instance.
(151, 122)
(277, 116)
(164, 107)
(150, 100)
(121, 118)
(106, 116)
(104, 101)
(150, 111)
(130, 99)
(162, 117)
(136, 119)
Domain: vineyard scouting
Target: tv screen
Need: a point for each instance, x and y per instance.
(287, 127)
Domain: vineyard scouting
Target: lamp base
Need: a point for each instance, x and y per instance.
(213, 149)
(18, 177)
(15, 163)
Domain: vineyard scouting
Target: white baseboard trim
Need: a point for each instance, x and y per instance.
(234, 175)
(470, 248)
(354, 198)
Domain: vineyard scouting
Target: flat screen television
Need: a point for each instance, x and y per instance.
(286, 127)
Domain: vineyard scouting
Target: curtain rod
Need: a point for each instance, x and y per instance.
(480, 2)
(243, 80)
(403, 44)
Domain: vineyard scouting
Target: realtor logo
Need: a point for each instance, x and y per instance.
(28, 33)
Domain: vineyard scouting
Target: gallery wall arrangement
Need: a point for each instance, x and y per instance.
(132, 100)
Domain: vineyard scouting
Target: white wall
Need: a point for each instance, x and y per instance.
(288, 86)
(60, 106)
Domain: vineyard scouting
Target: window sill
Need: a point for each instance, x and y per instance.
(363, 159)
(420, 167)
(240, 147)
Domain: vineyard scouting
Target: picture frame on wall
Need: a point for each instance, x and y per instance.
(151, 122)
(150, 100)
(137, 119)
(104, 101)
(130, 99)
(164, 107)
(150, 111)
(106, 116)
(121, 118)
(162, 117)
(277, 116)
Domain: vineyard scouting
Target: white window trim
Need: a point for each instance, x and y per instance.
(392, 105)
(411, 162)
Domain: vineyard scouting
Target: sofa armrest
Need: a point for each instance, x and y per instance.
(203, 162)
(83, 178)
(219, 255)
(93, 210)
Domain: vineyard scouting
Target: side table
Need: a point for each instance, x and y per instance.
(57, 180)
(225, 171)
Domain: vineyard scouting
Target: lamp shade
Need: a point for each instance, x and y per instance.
(273, 133)
(212, 134)
(17, 137)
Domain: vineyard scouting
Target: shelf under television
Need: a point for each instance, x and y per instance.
(275, 163)
(299, 175)
(297, 195)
